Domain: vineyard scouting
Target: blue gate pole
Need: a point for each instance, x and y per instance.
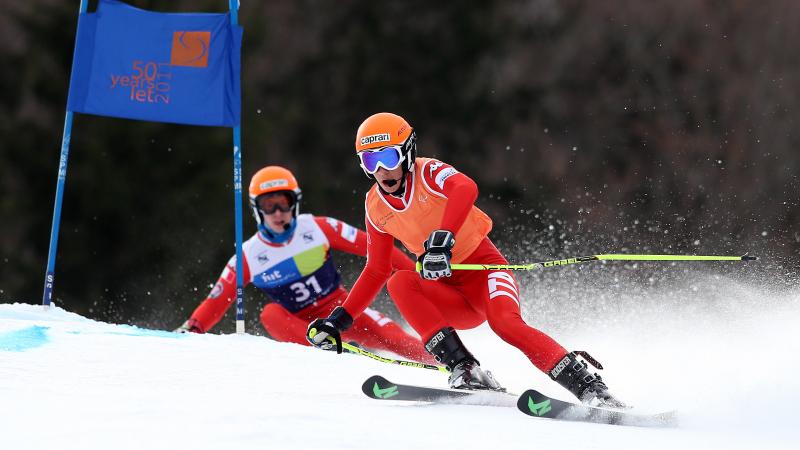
(49, 278)
(237, 194)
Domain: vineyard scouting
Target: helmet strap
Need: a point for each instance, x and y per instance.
(410, 151)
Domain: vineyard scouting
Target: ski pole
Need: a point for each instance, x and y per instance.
(349, 348)
(583, 259)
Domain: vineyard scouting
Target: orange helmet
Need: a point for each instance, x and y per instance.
(385, 130)
(273, 179)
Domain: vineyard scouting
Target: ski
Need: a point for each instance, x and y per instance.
(536, 404)
(379, 388)
(532, 403)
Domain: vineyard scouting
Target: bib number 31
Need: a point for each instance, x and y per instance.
(301, 290)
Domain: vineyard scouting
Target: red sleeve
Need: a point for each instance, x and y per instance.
(343, 237)
(222, 295)
(375, 273)
(460, 190)
(350, 239)
(401, 261)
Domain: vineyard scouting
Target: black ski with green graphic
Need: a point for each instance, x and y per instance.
(536, 404)
(380, 388)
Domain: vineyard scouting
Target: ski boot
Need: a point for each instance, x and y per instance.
(590, 389)
(465, 371)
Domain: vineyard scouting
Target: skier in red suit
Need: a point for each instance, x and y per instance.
(289, 258)
(429, 206)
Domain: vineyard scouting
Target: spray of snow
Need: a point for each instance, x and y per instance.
(727, 364)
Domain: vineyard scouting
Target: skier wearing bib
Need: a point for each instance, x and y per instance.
(428, 206)
(289, 258)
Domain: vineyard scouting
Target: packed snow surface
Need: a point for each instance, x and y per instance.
(70, 382)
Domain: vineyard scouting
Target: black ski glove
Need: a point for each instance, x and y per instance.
(327, 333)
(190, 326)
(435, 261)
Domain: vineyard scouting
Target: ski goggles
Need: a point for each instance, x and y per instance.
(277, 201)
(388, 157)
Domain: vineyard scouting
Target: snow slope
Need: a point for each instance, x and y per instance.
(70, 382)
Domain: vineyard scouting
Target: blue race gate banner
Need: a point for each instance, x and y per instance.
(159, 67)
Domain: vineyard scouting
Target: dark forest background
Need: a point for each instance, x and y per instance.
(590, 127)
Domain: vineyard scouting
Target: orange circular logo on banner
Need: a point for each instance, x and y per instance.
(190, 48)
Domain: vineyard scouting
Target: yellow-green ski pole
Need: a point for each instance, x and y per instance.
(583, 259)
(360, 351)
